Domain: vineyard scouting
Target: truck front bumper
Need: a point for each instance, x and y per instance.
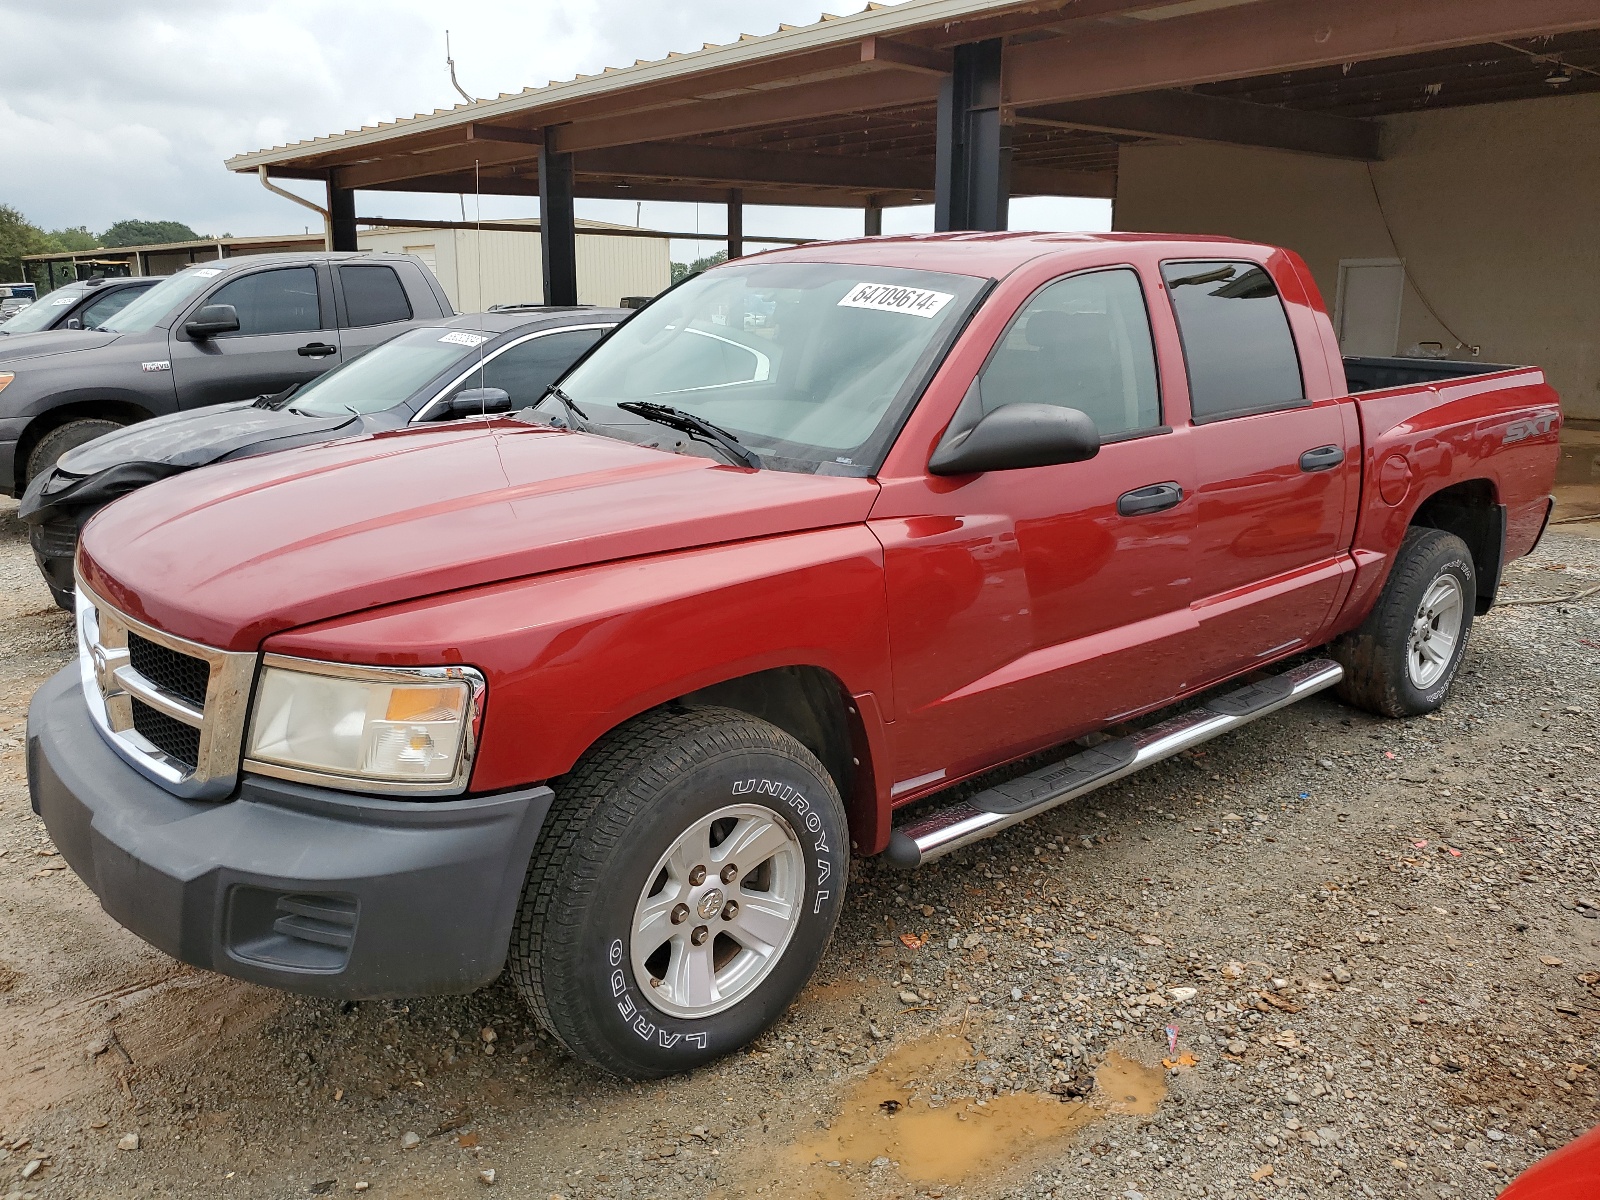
(302, 888)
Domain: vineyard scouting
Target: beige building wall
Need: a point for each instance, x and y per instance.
(503, 266)
(1495, 210)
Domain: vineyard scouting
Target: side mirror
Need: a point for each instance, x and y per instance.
(472, 401)
(212, 320)
(73, 323)
(1018, 435)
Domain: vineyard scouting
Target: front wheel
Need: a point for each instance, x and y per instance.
(62, 439)
(1403, 658)
(682, 892)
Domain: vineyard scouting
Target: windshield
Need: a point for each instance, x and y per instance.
(811, 365)
(387, 374)
(43, 310)
(160, 300)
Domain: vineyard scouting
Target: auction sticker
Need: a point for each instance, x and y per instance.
(889, 297)
(464, 339)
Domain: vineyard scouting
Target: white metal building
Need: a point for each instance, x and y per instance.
(502, 266)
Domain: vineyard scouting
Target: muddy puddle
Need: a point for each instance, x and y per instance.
(901, 1112)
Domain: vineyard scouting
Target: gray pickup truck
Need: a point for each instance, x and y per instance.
(226, 330)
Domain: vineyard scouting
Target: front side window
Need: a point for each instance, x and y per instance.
(526, 371)
(44, 310)
(283, 301)
(373, 296)
(811, 365)
(388, 374)
(103, 308)
(159, 302)
(1082, 342)
(1236, 339)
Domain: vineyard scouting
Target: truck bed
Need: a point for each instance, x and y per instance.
(1375, 374)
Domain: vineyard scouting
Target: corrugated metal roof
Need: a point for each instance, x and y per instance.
(876, 20)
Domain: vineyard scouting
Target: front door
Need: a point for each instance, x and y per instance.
(286, 336)
(1029, 606)
(1279, 475)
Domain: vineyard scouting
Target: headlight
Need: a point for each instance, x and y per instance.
(391, 729)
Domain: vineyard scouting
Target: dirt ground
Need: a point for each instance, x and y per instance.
(1327, 956)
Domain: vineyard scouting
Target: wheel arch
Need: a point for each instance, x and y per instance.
(812, 705)
(1471, 510)
(104, 407)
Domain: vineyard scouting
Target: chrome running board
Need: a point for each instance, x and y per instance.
(1006, 804)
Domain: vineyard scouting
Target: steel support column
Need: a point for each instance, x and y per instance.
(872, 220)
(341, 218)
(558, 228)
(735, 223)
(972, 187)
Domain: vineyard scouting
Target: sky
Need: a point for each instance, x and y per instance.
(127, 108)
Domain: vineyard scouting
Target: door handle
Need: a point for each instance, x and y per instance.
(1157, 497)
(1323, 458)
(317, 350)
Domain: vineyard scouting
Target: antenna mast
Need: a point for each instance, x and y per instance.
(451, 63)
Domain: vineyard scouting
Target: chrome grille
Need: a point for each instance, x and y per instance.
(172, 708)
(179, 742)
(181, 675)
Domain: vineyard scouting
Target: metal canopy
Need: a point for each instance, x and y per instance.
(847, 111)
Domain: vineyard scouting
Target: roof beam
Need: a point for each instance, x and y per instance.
(887, 52)
(469, 156)
(480, 132)
(1262, 38)
(872, 173)
(1192, 116)
(527, 184)
(665, 160)
(863, 92)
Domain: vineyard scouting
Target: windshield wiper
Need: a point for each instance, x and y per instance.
(569, 404)
(687, 422)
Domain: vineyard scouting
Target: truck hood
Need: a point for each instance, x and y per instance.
(232, 554)
(20, 347)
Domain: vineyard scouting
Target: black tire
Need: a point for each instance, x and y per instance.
(1376, 657)
(64, 438)
(615, 816)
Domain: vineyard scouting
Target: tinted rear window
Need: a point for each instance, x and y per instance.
(373, 296)
(1236, 339)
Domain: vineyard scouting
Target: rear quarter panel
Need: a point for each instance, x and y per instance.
(1503, 428)
(573, 654)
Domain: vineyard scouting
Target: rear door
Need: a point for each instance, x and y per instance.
(1278, 474)
(373, 306)
(286, 336)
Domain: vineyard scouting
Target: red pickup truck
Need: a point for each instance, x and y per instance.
(614, 689)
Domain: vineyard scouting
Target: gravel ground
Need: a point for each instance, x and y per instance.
(1368, 952)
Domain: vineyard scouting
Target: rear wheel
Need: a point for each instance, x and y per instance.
(683, 891)
(61, 440)
(1405, 655)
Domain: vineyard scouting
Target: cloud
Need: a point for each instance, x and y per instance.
(114, 110)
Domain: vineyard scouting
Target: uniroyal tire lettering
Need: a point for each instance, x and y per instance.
(784, 793)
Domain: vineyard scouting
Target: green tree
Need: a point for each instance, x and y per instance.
(682, 271)
(18, 236)
(76, 238)
(147, 233)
